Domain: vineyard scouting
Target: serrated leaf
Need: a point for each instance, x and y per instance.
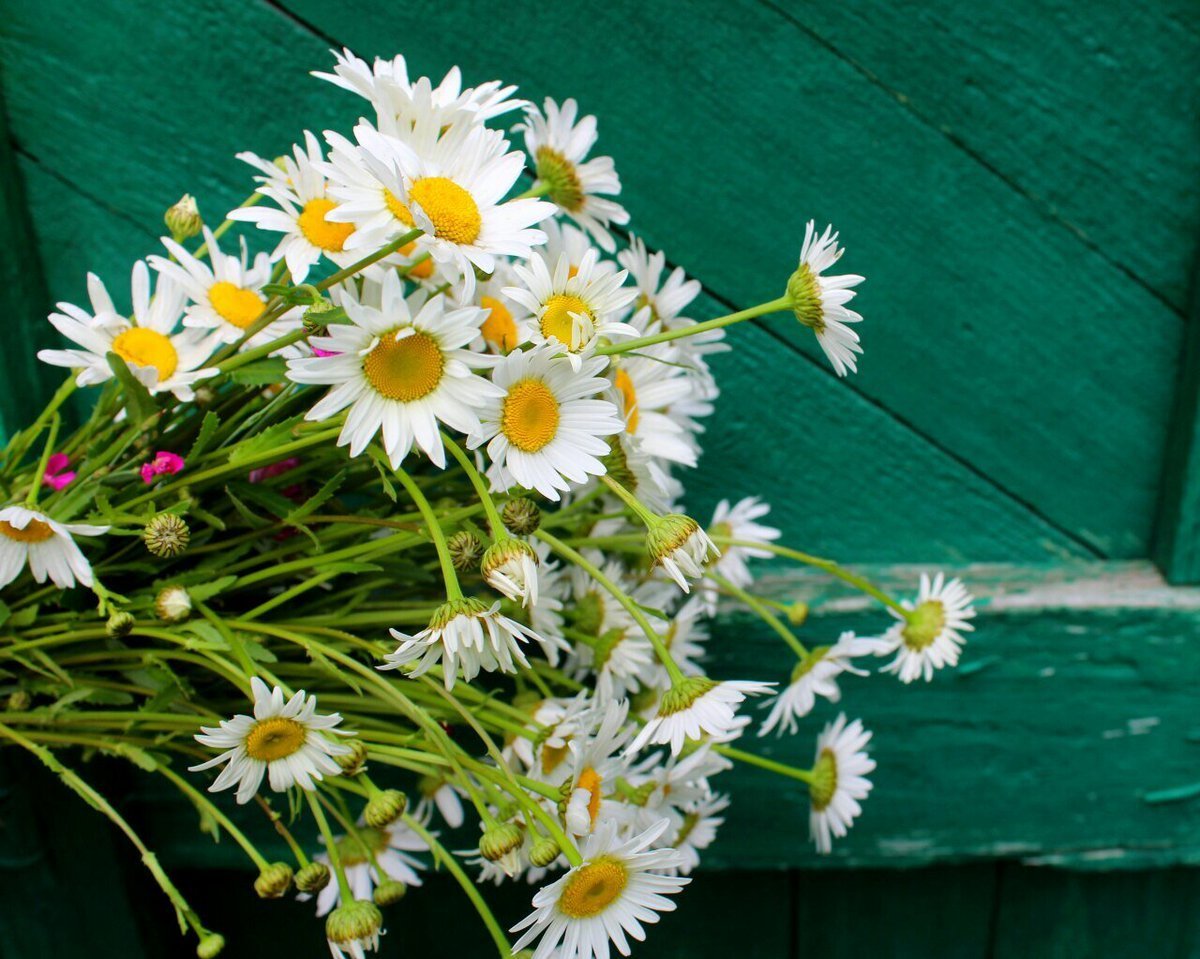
(263, 443)
(319, 498)
(264, 496)
(138, 400)
(255, 521)
(206, 591)
(207, 636)
(208, 429)
(256, 650)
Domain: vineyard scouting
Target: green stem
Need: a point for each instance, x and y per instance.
(202, 802)
(331, 847)
(35, 485)
(763, 613)
(642, 513)
(804, 775)
(625, 346)
(360, 265)
(453, 590)
(481, 489)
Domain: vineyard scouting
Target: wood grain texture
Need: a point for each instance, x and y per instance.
(1010, 309)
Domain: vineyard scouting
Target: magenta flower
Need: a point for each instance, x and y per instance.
(163, 464)
(57, 475)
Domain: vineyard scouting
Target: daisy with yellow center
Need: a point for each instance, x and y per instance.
(559, 145)
(48, 548)
(930, 636)
(596, 766)
(301, 212)
(696, 706)
(617, 889)
(819, 302)
(163, 357)
(401, 366)
(738, 522)
(653, 385)
(225, 292)
(839, 781)
(544, 431)
(390, 848)
(572, 311)
(286, 741)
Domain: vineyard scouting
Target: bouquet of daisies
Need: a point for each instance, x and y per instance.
(375, 529)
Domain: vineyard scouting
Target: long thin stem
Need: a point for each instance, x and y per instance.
(760, 609)
(625, 346)
(804, 775)
(453, 590)
(331, 847)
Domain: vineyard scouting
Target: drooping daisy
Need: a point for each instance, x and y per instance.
(47, 546)
(819, 302)
(464, 633)
(738, 522)
(596, 765)
(569, 311)
(558, 722)
(931, 635)
(390, 848)
(299, 190)
(225, 292)
(839, 780)
(402, 367)
(693, 707)
(287, 741)
(617, 889)
(164, 358)
(816, 675)
(680, 547)
(544, 430)
(510, 566)
(559, 145)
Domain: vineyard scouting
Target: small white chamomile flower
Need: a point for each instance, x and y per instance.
(740, 523)
(510, 566)
(681, 547)
(28, 537)
(696, 706)
(819, 302)
(839, 781)
(930, 635)
(373, 855)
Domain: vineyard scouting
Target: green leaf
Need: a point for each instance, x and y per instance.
(261, 373)
(316, 500)
(208, 429)
(263, 443)
(206, 591)
(138, 400)
(251, 517)
(5, 612)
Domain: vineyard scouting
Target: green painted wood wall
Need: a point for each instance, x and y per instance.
(1018, 180)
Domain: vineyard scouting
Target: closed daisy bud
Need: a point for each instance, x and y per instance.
(173, 604)
(119, 624)
(510, 567)
(313, 878)
(355, 761)
(19, 701)
(183, 218)
(353, 928)
(544, 852)
(465, 550)
(680, 546)
(166, 535)
(500, 840)
(210, 946)
(389, 891)
(521, 516)
(273, 881)
(384, 808)
(797, 613)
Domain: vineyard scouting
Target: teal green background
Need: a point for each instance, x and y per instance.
(1017, 180)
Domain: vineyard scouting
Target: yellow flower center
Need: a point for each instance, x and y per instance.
(629, 395)
(143, 347)
(925, 624)
(235, 305)
(451, 208)
(498, 329)
(553, 756)
(593, 888)
(422, 270)
(590, 780)
(398, 209)
(824, 783)
(557, 320)
(35, 531)
(529, 417)
(275, 738)
(320, 232)
(405, 368)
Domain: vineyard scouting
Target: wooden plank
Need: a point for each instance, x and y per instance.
(973, 298)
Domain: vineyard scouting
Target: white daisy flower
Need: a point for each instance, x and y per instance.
(653, 385)
(510, 566)
(566, 239)
(164, 358)
(819, 302)
(559, 145)
(501, 331)
(545, 429)
(468, 634)
(682, 549)
(738, 522)
(572, 311)
(696, 830)
(666, 299)
(392, 848)
(930, 636)
(839, 780)
(595, 768)
(558, 722)
(444, 796)
(47, 546)
(618, 888)
(694, 707)
(286, 741)
(225, 292)
(816, 675)
(402, 367)
(299, 190)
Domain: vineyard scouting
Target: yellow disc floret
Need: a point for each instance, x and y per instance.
(629, 395)
(590, 780)
(593, 888)
(529, 417)
(397, 208)
(557, 319)
(35, 531)
(405, 368)
(144, 347)
(234, 304)
(275, 738)
(452, 209)
(498, 329)
(323, 233)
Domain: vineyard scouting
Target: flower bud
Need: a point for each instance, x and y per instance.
(521, 516)
(273, 881)
(119, 624)
(354, 927)
(465, 550)
(313, 878)
(18, 701)
(355, 761)
(499, 840)
(384, 808)
(183, 218)
(389, 891)
(166, 535)
(544, 852)
(797, 613)
(173, 604)
(210, 945)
